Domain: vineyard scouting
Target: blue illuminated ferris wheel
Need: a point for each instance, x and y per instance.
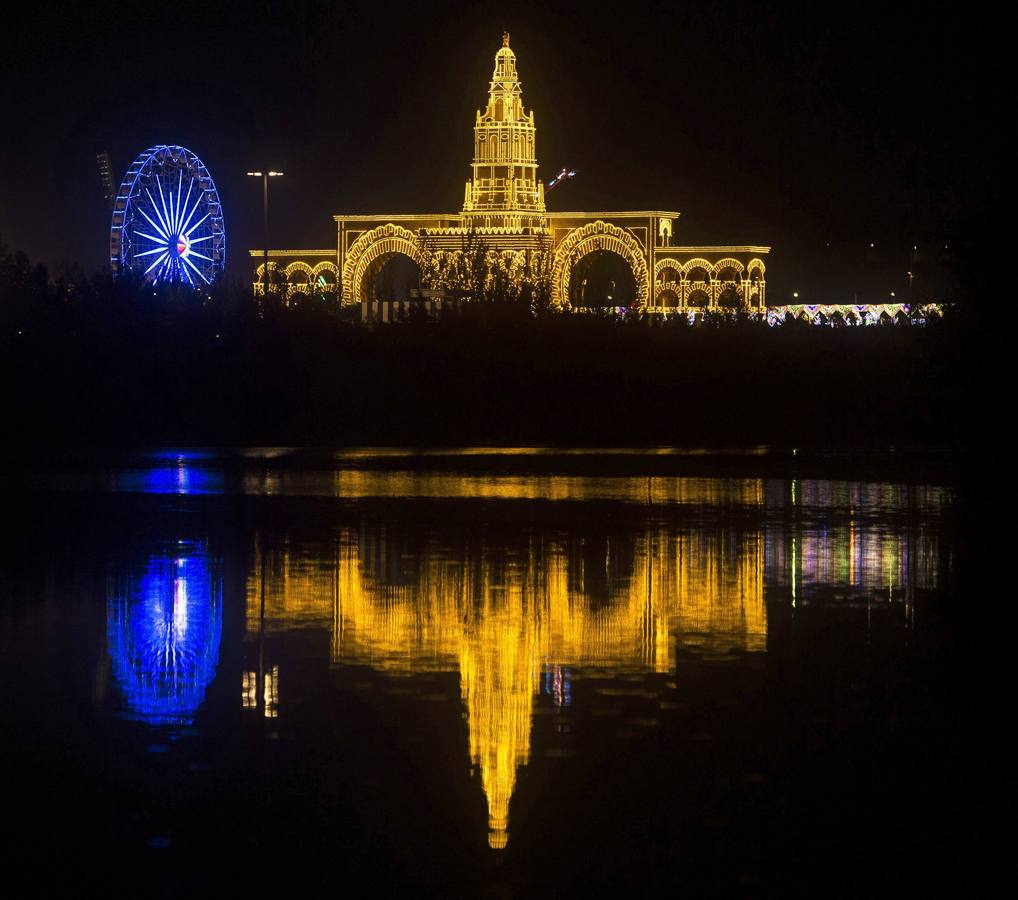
(168, 221)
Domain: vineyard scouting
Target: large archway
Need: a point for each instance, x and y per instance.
(600, 280)
(596, 236)
(391, 276)
(374, 246)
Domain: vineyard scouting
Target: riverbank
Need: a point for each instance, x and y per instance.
(200, 377)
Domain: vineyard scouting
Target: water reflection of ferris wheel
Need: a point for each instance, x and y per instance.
(164, 623)
(168, 221)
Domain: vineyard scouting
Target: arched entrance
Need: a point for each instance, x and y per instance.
(376, 247)
(391, 277)
(598, 236)
(600, 280)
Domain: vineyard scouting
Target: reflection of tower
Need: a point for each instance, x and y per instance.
(504, 190)
(498, 679)
(163, 631)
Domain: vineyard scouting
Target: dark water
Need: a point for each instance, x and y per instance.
(467, 674)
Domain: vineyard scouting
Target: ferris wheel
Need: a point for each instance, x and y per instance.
(168, 221)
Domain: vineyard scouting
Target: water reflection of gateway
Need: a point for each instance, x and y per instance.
(502, 617)
(164, 626)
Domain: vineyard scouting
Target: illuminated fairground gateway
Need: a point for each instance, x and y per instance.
(503, 208)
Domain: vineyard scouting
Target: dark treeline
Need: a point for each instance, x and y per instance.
(105, 361)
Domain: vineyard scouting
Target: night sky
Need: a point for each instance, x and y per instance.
(815, 129)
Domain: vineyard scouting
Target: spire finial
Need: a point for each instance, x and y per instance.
(505, 38)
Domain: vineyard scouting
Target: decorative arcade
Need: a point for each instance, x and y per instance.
(504, 209)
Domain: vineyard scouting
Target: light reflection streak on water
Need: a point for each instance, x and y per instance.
(493, 452)
(164, 628)
(179, 474)
(357, 484)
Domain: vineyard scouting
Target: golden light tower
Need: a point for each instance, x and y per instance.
(504, 190)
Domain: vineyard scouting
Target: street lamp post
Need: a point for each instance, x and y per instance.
(265, 176)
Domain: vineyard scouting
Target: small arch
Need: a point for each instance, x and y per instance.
(329, 269)
(277, 277)
(664, 265)
(729, 263)
(668, 299)
(730, 296)
(697, 275)
(695, 264)
(698, 298)
(298, 273)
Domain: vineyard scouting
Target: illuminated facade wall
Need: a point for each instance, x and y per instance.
(504, 207)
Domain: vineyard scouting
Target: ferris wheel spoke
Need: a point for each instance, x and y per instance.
(162, 197)
(207, 237)
(187, 200)
(158, 240)
(195, 269)
(196, 224)
(200, 255)
(169, 215)
(187, 221)
(180, 190)
(163, 226)
(162, 258)
(165, 237)
(150, 252)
